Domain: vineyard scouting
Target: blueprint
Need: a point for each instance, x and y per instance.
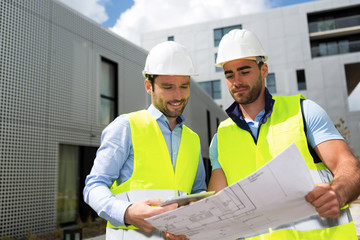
(271, 196)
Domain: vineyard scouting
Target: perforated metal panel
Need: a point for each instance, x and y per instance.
(49, 95)
(27, 184)
(49, 61)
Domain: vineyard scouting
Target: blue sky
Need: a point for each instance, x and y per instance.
(114, 10)
(131, 18)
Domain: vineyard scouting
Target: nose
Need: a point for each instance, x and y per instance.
(237, 80)
(177, 93)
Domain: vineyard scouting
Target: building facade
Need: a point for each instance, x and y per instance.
(63, 78)
(313, 48)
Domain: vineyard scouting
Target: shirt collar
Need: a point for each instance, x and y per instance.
(235, 113)
(159, 115)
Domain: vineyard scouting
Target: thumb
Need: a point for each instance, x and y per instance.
(153, 201)
(169, 207)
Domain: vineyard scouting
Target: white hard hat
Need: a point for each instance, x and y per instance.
(239, 44)
(169, 58)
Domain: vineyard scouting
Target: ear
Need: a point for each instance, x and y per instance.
(148, 86)
(264, 70)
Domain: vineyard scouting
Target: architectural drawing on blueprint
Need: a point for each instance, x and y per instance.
(266, 198)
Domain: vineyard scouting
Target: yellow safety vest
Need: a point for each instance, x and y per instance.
(153, 168)
(240, 156)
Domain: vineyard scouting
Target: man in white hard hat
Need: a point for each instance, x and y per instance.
(148, 156)
(260, 126)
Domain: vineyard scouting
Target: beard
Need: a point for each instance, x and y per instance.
(247, 97)
(163, 107)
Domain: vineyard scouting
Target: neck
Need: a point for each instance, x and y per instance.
(251, 110)
(172, 122)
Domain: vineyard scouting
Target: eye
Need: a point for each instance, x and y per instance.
(229, 76)
(166, 87)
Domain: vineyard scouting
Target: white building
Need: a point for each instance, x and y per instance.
(313, 48)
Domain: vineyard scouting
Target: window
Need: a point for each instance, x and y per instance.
(344, 46)
(220, 32)
(67, 194)
(75, 163)
(171, 38)
(334, 19)
(300, 74)
(328, 47)
(352, 73)
(271, 83)
(213, 88)
(217, 69)
(108, 91)
(332, 48)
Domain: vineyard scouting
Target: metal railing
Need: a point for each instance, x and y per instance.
(332, 24)
(335, 48)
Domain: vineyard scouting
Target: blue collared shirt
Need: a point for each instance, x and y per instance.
(318, 124)
(115, 159)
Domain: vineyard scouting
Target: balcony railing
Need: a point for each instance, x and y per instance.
(332, 24)
(334, 48)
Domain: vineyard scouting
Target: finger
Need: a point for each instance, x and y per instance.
(328, 198)
(168, 236)
(169, 207)
(330, 213)
(147, 228)
(317, 192)
(153, 201)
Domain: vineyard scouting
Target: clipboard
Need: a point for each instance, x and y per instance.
(185, 199)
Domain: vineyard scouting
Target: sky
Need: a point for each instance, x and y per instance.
(131, 18)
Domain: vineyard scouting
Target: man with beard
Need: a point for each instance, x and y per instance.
(148, 156)
(260, 126)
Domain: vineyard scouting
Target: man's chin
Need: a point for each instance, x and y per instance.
(174, 114)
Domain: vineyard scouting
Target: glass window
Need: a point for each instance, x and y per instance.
(217, 36)
(329, 23)
(271, 83)
(216, 89)
(171, 38)
(352, 74)
(220, 32)
(332, 48)
(213, 88)
(67, 194)
(323, 49)
(108, 91)
(217, 69)
(301, 82)
(344, 46)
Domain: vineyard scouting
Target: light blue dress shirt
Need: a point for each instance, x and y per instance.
(114, 162)
(319, 129)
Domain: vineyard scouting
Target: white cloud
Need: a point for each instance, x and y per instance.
(93, 9)
(151, 15)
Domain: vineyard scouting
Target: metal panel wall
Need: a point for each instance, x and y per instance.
(49, 95)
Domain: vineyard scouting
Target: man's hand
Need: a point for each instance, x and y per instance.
(170, 236)
(137, 212)
(325, 200)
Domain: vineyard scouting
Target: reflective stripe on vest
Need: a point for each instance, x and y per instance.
(240, 156)
(152, 163)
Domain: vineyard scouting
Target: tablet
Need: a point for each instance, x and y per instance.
(185, 199)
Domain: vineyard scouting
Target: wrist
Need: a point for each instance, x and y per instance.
(127, 218)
